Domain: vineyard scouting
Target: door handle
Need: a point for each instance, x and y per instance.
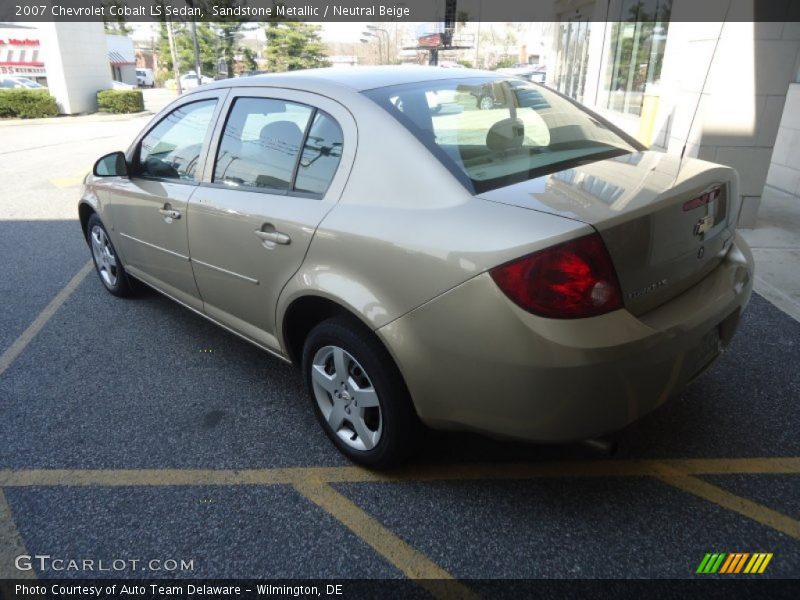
(170, 213)
(275, 237)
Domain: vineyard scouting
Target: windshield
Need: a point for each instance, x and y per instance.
(494, 132)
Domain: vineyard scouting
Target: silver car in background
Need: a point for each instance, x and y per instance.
(523, 269)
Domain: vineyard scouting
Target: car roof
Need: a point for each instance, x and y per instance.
(354, 78)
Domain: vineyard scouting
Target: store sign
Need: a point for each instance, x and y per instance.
(18, 42)
(20, 70)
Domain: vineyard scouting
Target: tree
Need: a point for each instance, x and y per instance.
(249, 60)
(226, 31)
(207, 39)
(293, 45)
(115, 25)
(228, 37)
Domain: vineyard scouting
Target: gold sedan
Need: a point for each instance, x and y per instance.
(520, 268)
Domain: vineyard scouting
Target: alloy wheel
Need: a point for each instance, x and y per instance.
(346, 397)
(104, 258)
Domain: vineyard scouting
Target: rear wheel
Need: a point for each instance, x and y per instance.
(106, 262)
(358, 394)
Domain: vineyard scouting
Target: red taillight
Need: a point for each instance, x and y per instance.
(572, 280)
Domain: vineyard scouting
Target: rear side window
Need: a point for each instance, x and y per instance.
(321, 155)
(171, 150)
(261, 143)
(278, 146)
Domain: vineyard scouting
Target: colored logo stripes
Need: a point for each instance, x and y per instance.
(735, 562)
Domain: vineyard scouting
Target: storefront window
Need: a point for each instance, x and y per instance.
(573, 53)
(637, 47)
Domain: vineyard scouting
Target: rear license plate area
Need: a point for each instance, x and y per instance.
(706, 351)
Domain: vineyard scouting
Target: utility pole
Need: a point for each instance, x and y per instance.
(175, 66)
(196, 53)
(196, 46)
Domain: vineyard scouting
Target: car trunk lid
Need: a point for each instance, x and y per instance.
(666, 222)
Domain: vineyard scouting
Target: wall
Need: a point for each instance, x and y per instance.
(784, 169)
(128, 74)
(122, 45)
(76, 59)
(722, 90)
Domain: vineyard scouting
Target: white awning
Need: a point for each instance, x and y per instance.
(116, 59)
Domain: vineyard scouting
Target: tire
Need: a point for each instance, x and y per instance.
(384, 431)
(485, 102)
(106, 261)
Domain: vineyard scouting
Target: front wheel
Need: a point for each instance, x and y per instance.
(106, 262)
(486, 103)
(358, 394)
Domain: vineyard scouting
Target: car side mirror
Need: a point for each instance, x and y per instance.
(111, 165)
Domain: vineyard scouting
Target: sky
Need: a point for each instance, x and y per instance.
(331, 32)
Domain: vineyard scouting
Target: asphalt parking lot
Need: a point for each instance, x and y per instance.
(135, 430)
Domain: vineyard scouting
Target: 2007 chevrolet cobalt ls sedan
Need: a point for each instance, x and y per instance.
(523, 269)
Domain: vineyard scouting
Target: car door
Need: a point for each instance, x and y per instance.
(148, 209)
(279, 163)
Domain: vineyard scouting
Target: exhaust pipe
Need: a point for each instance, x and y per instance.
(601, 445)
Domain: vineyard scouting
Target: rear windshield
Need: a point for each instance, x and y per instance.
(494, 132)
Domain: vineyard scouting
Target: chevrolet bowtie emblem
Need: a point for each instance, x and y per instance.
(703, 225)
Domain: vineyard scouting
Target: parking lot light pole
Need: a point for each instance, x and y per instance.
(380, 46)
(175, 66)
(374, 29)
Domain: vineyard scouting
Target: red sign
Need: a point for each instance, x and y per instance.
(16, 42)
(430, 41)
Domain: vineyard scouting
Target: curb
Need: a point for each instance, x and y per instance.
(94, 117)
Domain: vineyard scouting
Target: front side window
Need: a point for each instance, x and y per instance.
(494, 132)
(171, 150)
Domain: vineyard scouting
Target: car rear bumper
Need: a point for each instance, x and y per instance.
(474, 360)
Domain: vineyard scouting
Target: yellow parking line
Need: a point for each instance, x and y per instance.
(27, 336)
(12, 545)
(743, 506)
(409, 561)
(66, 182)
(314, 484)
(737, 466)
(488, 471)
(146, 477)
